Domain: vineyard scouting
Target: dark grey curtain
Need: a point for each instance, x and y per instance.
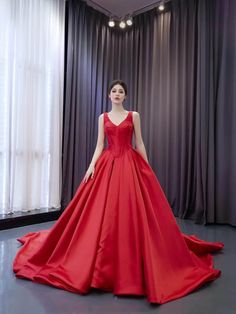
(180, 69)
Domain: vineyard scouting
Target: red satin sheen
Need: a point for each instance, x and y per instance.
(118, 234)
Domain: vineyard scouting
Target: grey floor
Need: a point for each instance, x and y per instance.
(22, 296)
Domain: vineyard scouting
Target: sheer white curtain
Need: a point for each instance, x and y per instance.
(31, 103)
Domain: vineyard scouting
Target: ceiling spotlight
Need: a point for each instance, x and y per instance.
(122, 24)
(111, 23)
(129, 21)
(161, 7)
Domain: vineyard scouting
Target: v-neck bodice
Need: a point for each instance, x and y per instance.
(119, 136)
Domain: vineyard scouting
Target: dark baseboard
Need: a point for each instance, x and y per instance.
(20, 219)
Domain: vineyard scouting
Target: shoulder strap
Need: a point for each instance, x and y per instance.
(104, 117)
(131, 115)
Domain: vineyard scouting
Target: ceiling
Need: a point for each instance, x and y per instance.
(122, 7)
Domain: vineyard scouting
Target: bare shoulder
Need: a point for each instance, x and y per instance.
(136, 115)
(101, 119)
(101, 116)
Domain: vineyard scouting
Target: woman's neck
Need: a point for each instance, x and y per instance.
(118, 108)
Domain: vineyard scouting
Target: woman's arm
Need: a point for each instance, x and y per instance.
(100, 141)
(139, 145)
(98, 150)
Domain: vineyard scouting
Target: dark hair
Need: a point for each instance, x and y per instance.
(120, 82)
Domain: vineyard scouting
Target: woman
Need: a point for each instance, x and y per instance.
(118, 233)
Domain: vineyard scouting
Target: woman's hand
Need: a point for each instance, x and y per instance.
(89, 172)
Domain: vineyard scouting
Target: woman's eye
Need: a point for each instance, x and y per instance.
(120, 91)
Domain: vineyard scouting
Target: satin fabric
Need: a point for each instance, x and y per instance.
(118, 234)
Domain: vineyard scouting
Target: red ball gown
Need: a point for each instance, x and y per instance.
(118, 234)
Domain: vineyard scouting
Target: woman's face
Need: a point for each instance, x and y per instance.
(117, 94)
